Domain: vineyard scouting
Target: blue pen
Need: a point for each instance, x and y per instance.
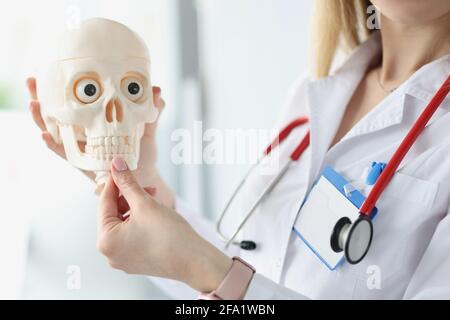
(377, 168)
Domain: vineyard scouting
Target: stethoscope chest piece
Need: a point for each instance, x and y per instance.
(352, 238)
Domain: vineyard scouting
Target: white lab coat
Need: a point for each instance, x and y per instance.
(410, 253)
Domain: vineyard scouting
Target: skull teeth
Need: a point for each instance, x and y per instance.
(107, 141)
(105, 148)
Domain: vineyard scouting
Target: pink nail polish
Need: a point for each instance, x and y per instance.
(119, 164)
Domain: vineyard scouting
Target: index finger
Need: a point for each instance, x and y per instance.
(31, 84)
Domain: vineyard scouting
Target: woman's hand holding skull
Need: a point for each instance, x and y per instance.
(146, 170)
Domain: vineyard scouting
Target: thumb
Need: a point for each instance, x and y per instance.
(126, 182)
(108, 213)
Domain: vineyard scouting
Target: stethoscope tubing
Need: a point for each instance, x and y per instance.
(294, 156)
(266, 191)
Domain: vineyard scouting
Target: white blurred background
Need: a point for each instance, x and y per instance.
(228, 63)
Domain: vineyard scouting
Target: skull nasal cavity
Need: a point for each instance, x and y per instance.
(114, 111)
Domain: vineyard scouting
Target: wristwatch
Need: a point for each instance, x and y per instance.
(235, 283)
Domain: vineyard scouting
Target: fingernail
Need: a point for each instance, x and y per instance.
(119, 164)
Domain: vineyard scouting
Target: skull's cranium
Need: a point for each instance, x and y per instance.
(97, 96)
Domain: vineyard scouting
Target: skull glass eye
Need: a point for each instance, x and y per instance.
(132, 88)
(87, 90)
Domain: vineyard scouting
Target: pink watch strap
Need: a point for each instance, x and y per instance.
(235, 283)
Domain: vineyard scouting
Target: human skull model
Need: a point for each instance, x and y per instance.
(97, 96)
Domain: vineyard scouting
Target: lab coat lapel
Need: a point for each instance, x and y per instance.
(397, 113)
(326, 115)
(328, 98)
(407, 102)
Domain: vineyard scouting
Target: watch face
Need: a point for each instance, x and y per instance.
(358, 241)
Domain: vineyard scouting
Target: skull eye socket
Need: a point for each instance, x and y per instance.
(87, 90)
(132, 88)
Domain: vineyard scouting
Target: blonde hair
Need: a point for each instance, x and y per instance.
(337, 24)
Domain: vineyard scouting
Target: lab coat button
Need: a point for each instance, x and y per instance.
(278, 263)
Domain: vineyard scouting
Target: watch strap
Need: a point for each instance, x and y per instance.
(235, 283)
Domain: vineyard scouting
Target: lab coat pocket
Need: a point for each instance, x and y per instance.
(411, 189)
(402, 208)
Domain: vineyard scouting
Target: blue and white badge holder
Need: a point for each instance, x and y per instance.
(331, 199)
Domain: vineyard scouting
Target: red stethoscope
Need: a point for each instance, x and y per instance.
(354, 238)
